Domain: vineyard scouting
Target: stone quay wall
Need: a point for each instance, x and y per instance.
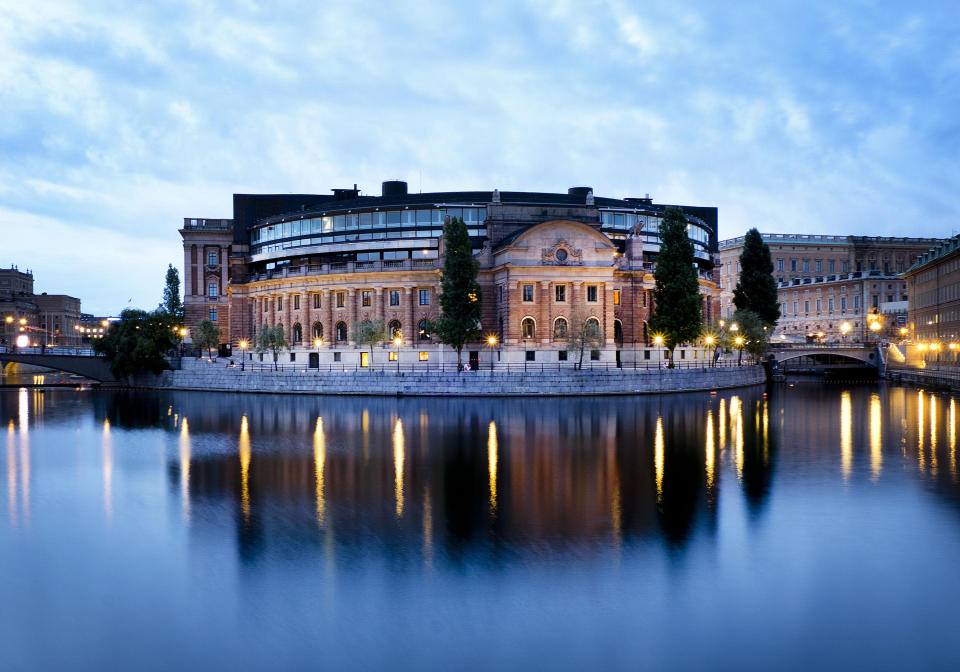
(204, 375)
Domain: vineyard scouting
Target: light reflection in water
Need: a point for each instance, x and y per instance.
(244, 449)
(709, 448)
(876, 438)
(933, 434)
(12, 473)
(185, 469)
(106, 449)
(319, 462)
(492, 465)
(952, 432)
(658, 459)
(365, 434)
(24, 411)
(721, 425)
(736, 413)
(920, 416)
(846, 434)
(398, 456)
(427, 528)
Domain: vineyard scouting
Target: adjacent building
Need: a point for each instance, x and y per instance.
(831, 287)
(46, 319)
(934, 287)
(319, 264)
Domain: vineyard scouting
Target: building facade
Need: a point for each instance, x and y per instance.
(831, 287)
(45, 319)
(318, 265)
(934, 287)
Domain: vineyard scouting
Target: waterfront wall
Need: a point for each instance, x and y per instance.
(205, 375)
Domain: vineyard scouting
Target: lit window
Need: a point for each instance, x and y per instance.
(424, 356)
(212, 259)
(616, 297)
(365, 299)
(528, 293)
(424, 297)
(528, 328)
(561, 293)
(316, 300)
(340, 299)
(213, 314)
(212, 290)
(393, 355)
(394, 297)
(592, 293)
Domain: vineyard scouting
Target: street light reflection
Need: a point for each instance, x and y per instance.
(876, 438)
(319, 461)
(846, 434)
(398, 458)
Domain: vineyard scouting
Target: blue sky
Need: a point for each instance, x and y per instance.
(118, 119)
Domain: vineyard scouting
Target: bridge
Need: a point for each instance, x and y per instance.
(813, 358)
(82, 362)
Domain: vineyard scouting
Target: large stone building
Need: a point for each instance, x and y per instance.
(934, 285)
(45, 319)
(831, 284)
(320, 264)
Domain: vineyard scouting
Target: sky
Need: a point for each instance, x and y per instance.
(119, 119)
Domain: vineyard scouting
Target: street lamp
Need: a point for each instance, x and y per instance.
(844, 330)
(658, 341)
(492, 343)
(739, 341)
(243, 353)
(398, 341)
(318, 343)
(709, 340)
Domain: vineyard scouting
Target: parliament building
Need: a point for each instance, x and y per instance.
(319, 264)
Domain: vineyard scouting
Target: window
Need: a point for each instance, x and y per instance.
(595, 355)
(316, 300)
(317, 331)
(213, 314)
(424, 297)
(818, 305)
(616, 297)
(424, 356)
(293, 356)
(819, 266)
(365, 298)
(336, 356)
(560, 328)
(843, 303)
(806, 306)
(832, 265)
(779, 264)
(793, 264)
(646, 354)
(279, 303)
(297, 333)
(806, 265)
(528, 328)
(843, 267)
(394, 327)
(423, 331)
(394, 297)
(592, 328)
(266, 305)
(212, 290)
(528, 293)
(830, 304)
(341, 297)
(296, 302)
(393, 355)
(212, 259)
(592, 293)
(562, 356)
(618, 332)
(531, 355)
(364, 359)
(560, 292)
(856, 302)
(341, 332)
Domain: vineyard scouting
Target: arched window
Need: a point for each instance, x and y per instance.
(297, 333)
(317, 330)
(341, 332)
(560, 328)
(394, 327)
(592, 328)
(528, 328)
(618, 332)
(423, 331)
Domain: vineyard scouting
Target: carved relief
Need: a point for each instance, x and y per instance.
(561, 254)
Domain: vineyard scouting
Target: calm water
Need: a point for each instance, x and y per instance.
(817, 526)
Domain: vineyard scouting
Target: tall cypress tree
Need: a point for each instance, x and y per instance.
(459, 291)
(676, 294)
(756, 289)
(171, 305)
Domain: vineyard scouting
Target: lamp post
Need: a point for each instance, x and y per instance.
(243, 354)
(739, 341)
(492, 343)
(398, 341)
(317, 343)
(658, 341)
(709, 340)
(844, 330)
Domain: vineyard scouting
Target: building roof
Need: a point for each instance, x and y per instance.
(935, 253)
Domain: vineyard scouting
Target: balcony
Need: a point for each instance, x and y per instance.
(392, 265)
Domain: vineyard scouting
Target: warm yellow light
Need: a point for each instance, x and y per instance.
(317, 343)
(953, 346)
(105, 323)
(708, 340)
(658, 340)
(9, 319)
(183, 332)
(739, 340)
(722, 323)
(934, 346)
(398, 341)
(491, 340)
(875, 326)
(734, 327)
(819, 334)
(23, 320)
(903, 331)
(921, 347)
(243, 345)
(845, 327)
(23, 341)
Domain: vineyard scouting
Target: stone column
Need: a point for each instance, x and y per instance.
(353, 311)
(222, 253)
(379, 299)
(544, 323)
(288, 317)
(409, 326)
(607, 291)
(326, 309)
(306, 305)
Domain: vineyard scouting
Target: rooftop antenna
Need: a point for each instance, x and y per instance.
(421, 180)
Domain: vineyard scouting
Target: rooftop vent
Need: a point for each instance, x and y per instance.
(346, 194)
(394, 189)
(579, 192)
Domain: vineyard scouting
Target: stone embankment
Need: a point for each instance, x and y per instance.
(213, 376)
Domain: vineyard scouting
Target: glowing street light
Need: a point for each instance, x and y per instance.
(318, 343)
(9, 319)
(243, 353)
(739, 341)
(491, 343)
(709, 339)
(844, 330)
(397, 342)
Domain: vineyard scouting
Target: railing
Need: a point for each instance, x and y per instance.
(62, 351)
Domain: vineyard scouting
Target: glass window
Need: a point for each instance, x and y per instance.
(528, 293)
(365, 220)
(213, 314)
(424, 356)
(394, 297)
(296, 302)
(779, 264)
(531, 355)
(423, 331)
(423, 218)
(424, 297)
(341, 297)
(316, 300)
(212, 259)
(279, 303)
(560, 328)
(365, 299)
(212, 290)
(341, 331)
(592, 293)
(616, 297)
(561, 293)
(408, 218)
(528, 328)
(339, 223)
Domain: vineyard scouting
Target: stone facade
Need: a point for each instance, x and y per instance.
(207, 247)
(46, 319)
(934, 289)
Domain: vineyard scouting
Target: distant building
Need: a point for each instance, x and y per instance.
(47, 319)
(934, 285)
(319, 264)
(826, 282)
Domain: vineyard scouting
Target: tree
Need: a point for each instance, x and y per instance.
(369, 333)
(171, 305)
(272, 340)
(756, 290)
(136, 342)
(754, 332)
(206, 335)
(676, 293)
(583, 333)
(459, 291)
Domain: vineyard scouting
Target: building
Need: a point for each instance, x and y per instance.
(318, 264)
(46, 319)
(829, 285)
(934, 287)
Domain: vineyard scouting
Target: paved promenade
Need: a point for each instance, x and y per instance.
(217, 375)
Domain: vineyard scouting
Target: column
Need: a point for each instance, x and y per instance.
(409, 326)
(544, 323)
(222, 251)
(326, 309)
(287, 317)
(353, 311)
(607, 293)
(306, 306)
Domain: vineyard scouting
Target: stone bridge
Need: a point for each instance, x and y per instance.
(81, 362)
(833, 356)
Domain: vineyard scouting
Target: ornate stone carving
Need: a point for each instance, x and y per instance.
(561, 254)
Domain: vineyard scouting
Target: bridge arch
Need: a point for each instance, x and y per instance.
(95, 368)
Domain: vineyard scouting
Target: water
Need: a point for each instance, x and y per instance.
(815, 527)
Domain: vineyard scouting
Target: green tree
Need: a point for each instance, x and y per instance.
(206, 335)
(136, 342)
(676, 294)
(272, 340)
(171, 305)
(369, 333)
(756, 290)
(583, 333)
(754, 331)
(460, 303)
